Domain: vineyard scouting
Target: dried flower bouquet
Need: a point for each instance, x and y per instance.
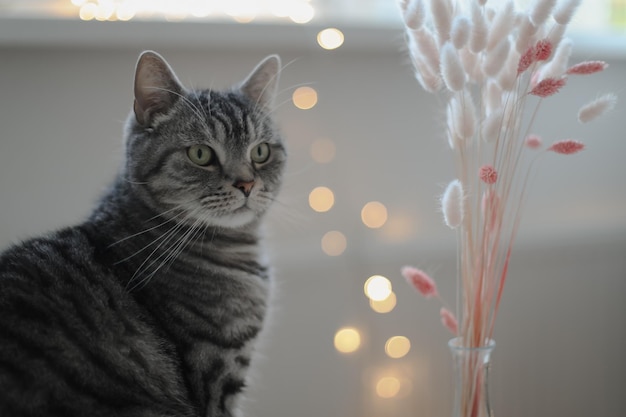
(494, 63)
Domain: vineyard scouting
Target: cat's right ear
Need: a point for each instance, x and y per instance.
(156, 87)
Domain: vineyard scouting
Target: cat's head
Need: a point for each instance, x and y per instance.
(207, 156)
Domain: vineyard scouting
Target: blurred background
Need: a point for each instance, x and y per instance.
(368, 161)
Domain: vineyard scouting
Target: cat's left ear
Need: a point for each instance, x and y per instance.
(156, 87)
(262, 83)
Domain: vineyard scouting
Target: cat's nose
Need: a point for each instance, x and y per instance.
(244, 186)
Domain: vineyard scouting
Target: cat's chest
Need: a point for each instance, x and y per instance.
(222, 303)
(214, 321)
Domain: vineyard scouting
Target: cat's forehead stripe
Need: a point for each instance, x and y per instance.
(229, 117)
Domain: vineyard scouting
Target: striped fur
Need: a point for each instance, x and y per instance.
(151, 307)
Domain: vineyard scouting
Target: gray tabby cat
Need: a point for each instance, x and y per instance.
(152, 306)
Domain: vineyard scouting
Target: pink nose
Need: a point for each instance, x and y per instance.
(244, 186)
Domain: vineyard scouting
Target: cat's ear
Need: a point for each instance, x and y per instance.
(262, 83)
(156, 87)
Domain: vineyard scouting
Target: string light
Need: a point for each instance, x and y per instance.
(384, 306)
(377, 288)
(304, 98)
(302, 12)
(374, 214)
(243, 11)
(347, 340)
(330, 38)
(321, 199)
(397, 346)
(334, 243)
(88, 11)
(388, 387)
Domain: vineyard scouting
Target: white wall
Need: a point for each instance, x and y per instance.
(561, 333)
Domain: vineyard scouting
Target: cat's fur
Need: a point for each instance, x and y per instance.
(151, 307)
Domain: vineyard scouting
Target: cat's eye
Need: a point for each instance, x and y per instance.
(260, 153)
(201, 155)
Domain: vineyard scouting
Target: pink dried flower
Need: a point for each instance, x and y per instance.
(429, 81)
(525, 34)
(567, 147)
(558, 64)
(526, 60)
(452, 204)
(597, 107)
(426, 47)
(492, 126)
(548, 87)
(488, 174)
(414, 13)
(541, 10)
(451, 68)
(502, 24)
(565, 10)
(506, 78)
(462, 116)
(460, 31)
(587, 67)
(448, 320)
(496, 58)
(533, 141)
(423, 283)
(556, 34)
(543, 50)
(442, 19)
(480, 30)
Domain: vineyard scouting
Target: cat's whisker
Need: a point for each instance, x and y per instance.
(283, 212)
(148, 229)
(185, 241)
(135, 182)
(167, 256)
(177, 207)
(304, 170)
(170, 234)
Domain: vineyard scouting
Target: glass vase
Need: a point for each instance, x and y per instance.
(471, 378)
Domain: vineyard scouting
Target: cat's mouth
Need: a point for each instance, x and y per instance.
(239, 216)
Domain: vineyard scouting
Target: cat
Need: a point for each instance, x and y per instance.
(151, 307)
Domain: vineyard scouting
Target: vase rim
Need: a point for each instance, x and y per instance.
(456, 344)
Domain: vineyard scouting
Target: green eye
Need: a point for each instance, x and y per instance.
(201, 155)
(260, 153)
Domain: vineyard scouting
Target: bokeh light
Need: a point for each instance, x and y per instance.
(388, 387)
(88, 11)
(377, 288)
(301, 12)
(334, 243)
(321, 199)
(374, 214)
(384, 306)
(397, 346)
(347, 340)
(330, 38)
(304, 98)
(243, 11)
